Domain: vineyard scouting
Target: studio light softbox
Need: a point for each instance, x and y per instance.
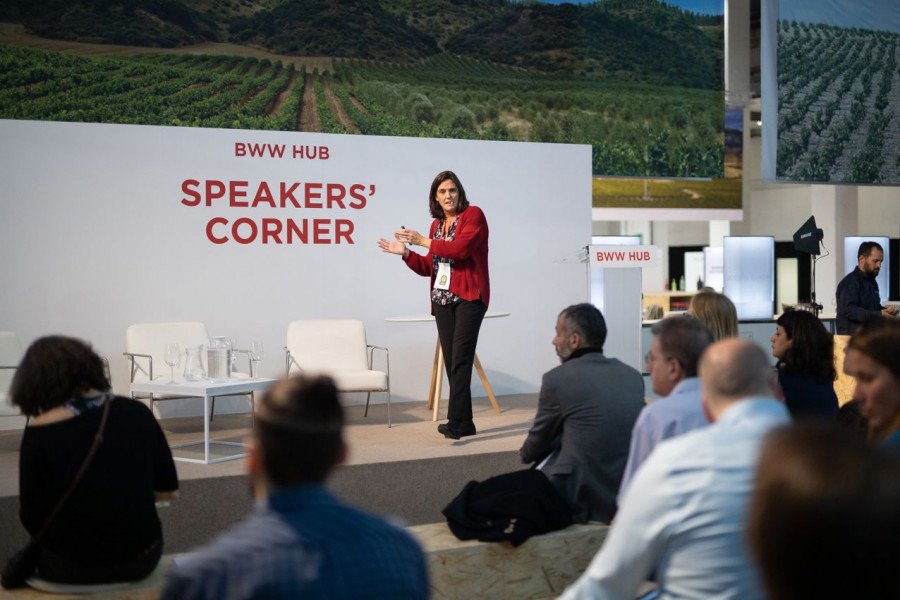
(807, 237)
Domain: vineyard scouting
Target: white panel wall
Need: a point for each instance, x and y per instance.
(779, 210)
(879, 211)
(95, 237)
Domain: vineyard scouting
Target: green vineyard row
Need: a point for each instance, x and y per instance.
(634, 129)
(836, 122)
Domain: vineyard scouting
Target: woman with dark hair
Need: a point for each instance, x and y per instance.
(107, 530)
(457, 263)
(805, 353)
(873, 358)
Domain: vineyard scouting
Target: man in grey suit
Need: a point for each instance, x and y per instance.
(586, 409)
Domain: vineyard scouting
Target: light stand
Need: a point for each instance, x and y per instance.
(812, 294)
(808, 239)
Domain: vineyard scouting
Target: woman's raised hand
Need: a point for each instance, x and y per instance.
(409, 236)
(391, 247)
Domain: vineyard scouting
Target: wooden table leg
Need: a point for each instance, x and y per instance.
(438, 377)
(434, 372)
(486, 384)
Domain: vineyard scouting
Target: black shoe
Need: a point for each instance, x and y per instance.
(449, 428)
(456, 429)
(466, 428)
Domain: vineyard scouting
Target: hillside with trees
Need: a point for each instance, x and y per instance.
(623, 39)
(626, 40)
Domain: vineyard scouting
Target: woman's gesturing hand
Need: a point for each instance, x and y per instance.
(392, 247)
(410, 236)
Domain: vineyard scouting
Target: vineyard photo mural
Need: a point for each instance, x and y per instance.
(838, 92)
(641, 81)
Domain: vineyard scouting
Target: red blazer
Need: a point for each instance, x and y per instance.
(469, 251)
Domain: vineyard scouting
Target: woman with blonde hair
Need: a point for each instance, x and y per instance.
(717, 312)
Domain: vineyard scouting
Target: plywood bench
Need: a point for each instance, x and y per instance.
(542, 567)
(146, 589)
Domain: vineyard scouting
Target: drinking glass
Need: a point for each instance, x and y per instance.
(256, 355)
(172, 358)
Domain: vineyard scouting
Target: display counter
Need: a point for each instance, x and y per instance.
(674, 301)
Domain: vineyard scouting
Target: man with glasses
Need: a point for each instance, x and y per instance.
(672, 363)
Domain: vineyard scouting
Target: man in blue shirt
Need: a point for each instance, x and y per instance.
(683, 517)
(300, 542)
(857, 294)
(673, 359)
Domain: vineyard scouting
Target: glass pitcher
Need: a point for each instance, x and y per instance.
(193, 366)
(219, 359)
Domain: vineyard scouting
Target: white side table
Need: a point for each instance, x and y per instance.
(206, 390)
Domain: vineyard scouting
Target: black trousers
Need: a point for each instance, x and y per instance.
(458, 325)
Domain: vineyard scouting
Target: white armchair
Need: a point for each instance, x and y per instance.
(145, 346)
(10, 356)
(337, 348)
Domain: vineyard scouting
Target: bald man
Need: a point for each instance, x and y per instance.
(683, 517)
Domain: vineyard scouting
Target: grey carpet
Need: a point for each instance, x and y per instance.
(414, 491)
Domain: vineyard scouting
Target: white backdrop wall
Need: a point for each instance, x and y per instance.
(879, 211)
(97, 234)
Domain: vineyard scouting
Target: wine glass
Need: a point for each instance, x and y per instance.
(172, 358)
(256, 355)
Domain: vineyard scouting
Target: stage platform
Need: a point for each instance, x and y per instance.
(408, 472)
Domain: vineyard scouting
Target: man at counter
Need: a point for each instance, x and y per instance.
(857, 293)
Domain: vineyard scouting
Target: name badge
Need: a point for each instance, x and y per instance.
(442, 281)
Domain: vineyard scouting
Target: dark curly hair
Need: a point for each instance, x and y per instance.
(812, 347)
(54, 369)
(434, 206)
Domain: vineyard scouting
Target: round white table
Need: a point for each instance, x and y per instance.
(437, 370)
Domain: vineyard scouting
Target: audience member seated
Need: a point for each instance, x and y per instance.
(806, 373)
(717, 312)
(850, 417)
(586, 409)
(872, 356)
(672, 363)
(683, 516)
(107, 530)
(824, 521)
(301, 542)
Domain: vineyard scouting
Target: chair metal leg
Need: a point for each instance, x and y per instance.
(212, 409)
(368, 397)
(389, 406)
